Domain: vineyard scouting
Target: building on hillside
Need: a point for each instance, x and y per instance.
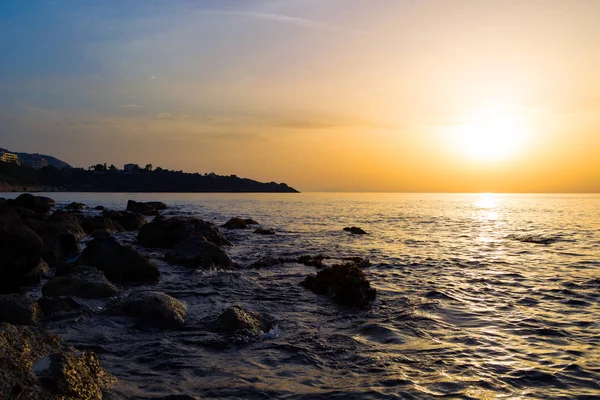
(7, 157)
(130, 167)
(35, 161)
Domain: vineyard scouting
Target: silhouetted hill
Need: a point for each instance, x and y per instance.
(30, 158)
(102, 179)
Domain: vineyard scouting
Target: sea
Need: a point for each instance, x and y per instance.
(479, 296)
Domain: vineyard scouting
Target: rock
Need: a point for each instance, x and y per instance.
(158, 205)
(312, 261)
(196, 252)
(101, 233)
(239, 223)
(120, 263)
(19, 309)
(100, 208)
(262, 231)
(130, 221)
(93, 223)
(154, 308)
(345, 283)
(61, 234)
(166, 233)
(75, 206)
(20, 253)
(35, 365)
(141, 208)
(86, 282)
(38, 204)
(58, 305)
(355, 230)
(236, 320)
(267, 261)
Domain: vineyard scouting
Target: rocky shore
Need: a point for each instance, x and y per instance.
(72, 254)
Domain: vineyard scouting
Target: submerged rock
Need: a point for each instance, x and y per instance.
(61, 234)
(345, 283)
(166, 233)
(153, 308)
(311, 261)
(263, 231)
(20, 254)
(120, 263)
(75, 206)
(130, 221)
(141, 208)
(86, 282)
(355, 230)
(35, 365)
(19, 309)
(236, 320)
(195, 252)
(239, 223)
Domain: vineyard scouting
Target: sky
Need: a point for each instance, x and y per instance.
(336, 95)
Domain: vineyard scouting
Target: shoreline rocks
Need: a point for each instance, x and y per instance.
(152, 308)
(83, 281)
(18, 309)
(239, 223)
(166, 233)
(196, 252)
(355, 230)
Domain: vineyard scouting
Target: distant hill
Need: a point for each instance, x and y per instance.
(50, 160)
(102, 179)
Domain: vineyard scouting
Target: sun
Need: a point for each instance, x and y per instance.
(491, 134)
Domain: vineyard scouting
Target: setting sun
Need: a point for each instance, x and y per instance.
(491, 134)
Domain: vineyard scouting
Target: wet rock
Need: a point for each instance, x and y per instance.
(236, 320)
(355, 230)
(93, 223)
(35, 365)
(58, 305)
(239, 223)
(120, 263)
(267, 261)
(196, 252)
(75, 206)
(61, 234)
(263, 231)
(158, 205)
(141, 208)
(19, 310)
(20, 253)
(345, 283)
(101, 233)
(166, 233)
(38, 204)
(174, 397)
(130, 221)
(153, 308)
(85, 282)
(312, 261)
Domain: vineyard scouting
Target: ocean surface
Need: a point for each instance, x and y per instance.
(478, 297)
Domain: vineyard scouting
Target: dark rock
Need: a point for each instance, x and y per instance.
(58, 305)
(101, 233)
(267, 261)
(141, 208)
(236, 320)
(38, 204)
(312, 261)
(130, 221)
(93, 223)
(20, 253)
(120, 263)
(61, 234)
(166, 233)
(19, 309)
(174, 397)
(75, 206)
(154, 308)
(35, 365)
(100, 208)
(262, 231)
(86, 282)
(345, 283)
(196, 252)
(158, 205)
(355, 230)
(239, 223)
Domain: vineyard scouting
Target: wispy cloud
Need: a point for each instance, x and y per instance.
(307, 23)
(131, 106)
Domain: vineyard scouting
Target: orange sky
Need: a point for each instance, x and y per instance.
(342, 95)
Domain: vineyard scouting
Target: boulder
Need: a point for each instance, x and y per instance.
(35, 365)
(196, 252)
(130, 221)
(86, 282)
(239, 223)
(355, 230)
(19, 309)
(158, 205)
(100, 208)
(141, 208)
(38, 204)
(152, 308)
(76, 206)
(236, 320)
(101, 233)
(166, 233)
(58, 305)
(61, 234)
(263, 231)
(120, 263)
(20, 253)
(312, 261)
(90, 224)
(345, 283)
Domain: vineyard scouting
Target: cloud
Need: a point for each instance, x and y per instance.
(164, 115)
(307, 23)
(131, 106)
